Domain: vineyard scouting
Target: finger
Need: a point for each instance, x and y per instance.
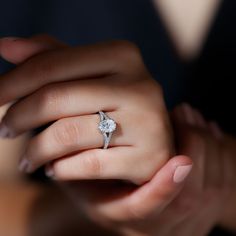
(69, 136)
(200, 121)
(188, 115)
(190, 143)
(17, 50)
(112, 163)
(152, 197)
(214, 166)
(215, 130)
(67, 64)
(58, 101)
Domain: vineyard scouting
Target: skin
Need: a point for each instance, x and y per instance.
(196, 209)
(105, 84)
(157, 202)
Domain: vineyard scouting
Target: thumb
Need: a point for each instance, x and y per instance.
(152, 197)
(17, 50)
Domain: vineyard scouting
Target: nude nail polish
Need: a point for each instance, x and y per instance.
(181, 173)
(4, 131)
(49, 171)
(23, 166)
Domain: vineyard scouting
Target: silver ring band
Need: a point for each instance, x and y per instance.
(107, 126)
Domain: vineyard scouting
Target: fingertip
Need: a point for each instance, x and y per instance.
(11, 49)
(17, 50)
(175, 171)
(164, 186)
(188, 113)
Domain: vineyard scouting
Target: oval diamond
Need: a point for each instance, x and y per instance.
(107, 126)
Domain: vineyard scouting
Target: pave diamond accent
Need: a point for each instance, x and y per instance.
(107, 126)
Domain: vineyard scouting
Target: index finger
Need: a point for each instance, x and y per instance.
(66, 64)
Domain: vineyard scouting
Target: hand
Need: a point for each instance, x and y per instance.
(66, 87)
(201, 203)
(194, 210)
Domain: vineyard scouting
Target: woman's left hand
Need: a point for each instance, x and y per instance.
(66, 87)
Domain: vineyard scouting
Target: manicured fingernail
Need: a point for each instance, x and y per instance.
(49, 171)
(181, 173)
(5, 132)
(188, 113)
(216, 130)
(24, 165)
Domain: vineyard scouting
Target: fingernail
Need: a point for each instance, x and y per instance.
(23, 166)
(188, 113)
(49, 171)
(216, 130)
(5, 132)
(181, 173)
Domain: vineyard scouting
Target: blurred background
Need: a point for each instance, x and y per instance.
(192, 41)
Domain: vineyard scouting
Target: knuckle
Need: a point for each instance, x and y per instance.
(48, 98)
(93, 165)
(158, 126)
(41, 68)
(66, 132)
(126, 51)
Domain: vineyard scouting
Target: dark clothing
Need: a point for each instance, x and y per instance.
(207, 83)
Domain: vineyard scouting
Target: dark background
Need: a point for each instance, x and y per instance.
(207, 83)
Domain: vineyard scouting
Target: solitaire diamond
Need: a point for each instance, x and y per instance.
(107, 126)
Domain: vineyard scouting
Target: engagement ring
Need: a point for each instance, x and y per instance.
(107, 126)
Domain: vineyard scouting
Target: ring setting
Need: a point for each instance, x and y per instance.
(107, 126)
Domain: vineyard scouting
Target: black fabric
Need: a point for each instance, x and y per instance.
(210, 80)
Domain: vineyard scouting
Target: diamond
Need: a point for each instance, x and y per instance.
(107, 126)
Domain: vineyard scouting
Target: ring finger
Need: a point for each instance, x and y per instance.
(73, 134)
